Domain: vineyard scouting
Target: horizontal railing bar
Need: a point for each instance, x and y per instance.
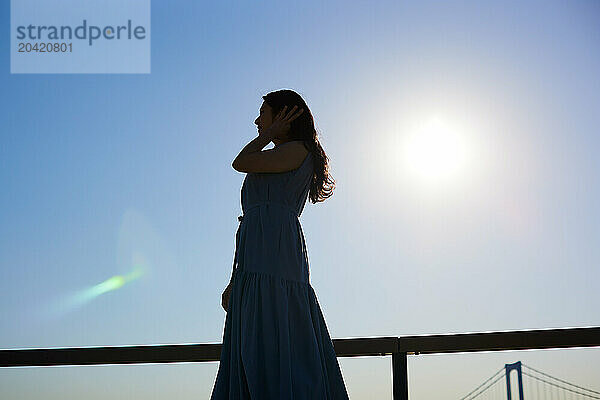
(351, 347)
(501, 341)
(111, 355)
(365, 346)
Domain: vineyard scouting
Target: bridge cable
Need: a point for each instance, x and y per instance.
(558, 386)
(560, 380)
(487, 380)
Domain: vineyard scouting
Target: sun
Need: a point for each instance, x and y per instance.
(435, 152)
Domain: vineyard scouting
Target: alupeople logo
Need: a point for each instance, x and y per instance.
(81, 32)
(80, 36)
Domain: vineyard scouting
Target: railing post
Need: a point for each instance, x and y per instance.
(399, 376)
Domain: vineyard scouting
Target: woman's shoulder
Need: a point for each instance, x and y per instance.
(300, 152)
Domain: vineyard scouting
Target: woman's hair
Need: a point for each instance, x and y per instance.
(303, 128)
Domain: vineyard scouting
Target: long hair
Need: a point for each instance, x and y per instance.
(303, 128)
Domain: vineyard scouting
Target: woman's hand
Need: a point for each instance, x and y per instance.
(225, 297)
(281, 123)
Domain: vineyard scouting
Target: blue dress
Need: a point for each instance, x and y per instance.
(275, 342)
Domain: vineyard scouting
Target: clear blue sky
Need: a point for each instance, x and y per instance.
(100, 173)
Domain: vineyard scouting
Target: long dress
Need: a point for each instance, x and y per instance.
(276, 344)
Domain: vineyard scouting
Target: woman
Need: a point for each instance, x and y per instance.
(275, 343)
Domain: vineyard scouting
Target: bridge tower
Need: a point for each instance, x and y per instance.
(508, 368)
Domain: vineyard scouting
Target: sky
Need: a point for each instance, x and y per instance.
(497, 229)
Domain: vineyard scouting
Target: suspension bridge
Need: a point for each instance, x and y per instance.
(531, 384)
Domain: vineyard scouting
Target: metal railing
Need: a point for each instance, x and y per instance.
(397, 347)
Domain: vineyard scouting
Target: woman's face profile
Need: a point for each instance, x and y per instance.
(265, 118)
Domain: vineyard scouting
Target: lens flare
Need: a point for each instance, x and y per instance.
(140, 248)
(81, 297)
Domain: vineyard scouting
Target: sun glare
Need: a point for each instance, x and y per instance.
(435, 152)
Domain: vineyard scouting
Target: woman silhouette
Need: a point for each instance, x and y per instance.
(275, 342)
